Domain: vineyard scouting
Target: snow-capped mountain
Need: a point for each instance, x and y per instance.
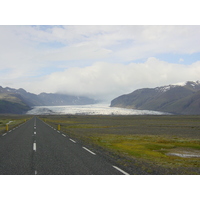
(195, 85)
(181, 98)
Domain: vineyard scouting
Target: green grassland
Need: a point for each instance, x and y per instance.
(146, 144)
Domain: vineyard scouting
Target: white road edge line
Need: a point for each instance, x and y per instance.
(122, 171)
(4, 134)
(63, 135)
(34, 146)
(72, 141)
(89, 151)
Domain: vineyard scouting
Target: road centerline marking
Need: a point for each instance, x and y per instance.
(4, 134)
(34, 146)
(122, 171)
(63, 135)
(89, 151)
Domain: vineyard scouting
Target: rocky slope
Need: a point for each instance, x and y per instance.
(177, 99)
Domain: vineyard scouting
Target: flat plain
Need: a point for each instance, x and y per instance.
(143, 144)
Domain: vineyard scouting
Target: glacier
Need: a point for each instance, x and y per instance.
(92, 109)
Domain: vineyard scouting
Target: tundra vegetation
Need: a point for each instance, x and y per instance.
(143, 144)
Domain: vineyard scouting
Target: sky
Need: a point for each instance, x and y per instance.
(98, 61)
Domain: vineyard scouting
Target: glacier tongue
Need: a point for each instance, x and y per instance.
(93, 109)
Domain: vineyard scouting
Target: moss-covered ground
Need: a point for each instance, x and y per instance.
(146, 143)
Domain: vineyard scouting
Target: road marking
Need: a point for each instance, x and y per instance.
(4, 134)
(89, 151)
(122, 171)
(34, 127)
(58, 131)
(34, 133)
(34, 146)
(72, 141)
(10, 131)
(63, 135)
(35, 172)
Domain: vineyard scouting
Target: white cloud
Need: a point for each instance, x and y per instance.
(26, 45)
(30, 56)
(124, 43)
(107, 80)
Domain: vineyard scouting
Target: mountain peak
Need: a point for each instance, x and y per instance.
(21, 90)
(194, 85)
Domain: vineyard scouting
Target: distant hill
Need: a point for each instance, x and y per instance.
(177, 99)
(50, 99)
(19, 101)
(12, 104)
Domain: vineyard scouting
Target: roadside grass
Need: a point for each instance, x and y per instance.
(145, 138)
(152, 148)
(12, 121)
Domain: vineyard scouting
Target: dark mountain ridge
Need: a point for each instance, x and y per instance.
(19, 101)
(177, 99)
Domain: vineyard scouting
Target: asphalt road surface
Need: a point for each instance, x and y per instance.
(35, 148)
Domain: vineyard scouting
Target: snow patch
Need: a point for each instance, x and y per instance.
(180, 84)
(168, 87)
(164, 88)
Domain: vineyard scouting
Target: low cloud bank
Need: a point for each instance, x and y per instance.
(107, 80)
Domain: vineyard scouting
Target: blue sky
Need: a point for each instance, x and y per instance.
(186, 59)
(101, 62)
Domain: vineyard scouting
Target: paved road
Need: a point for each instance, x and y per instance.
(38, 149)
